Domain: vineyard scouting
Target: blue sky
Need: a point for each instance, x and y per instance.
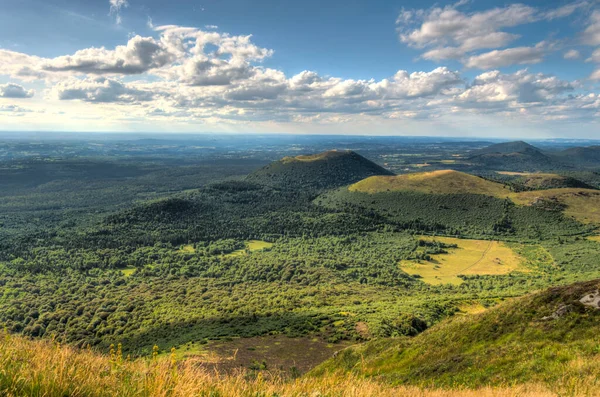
(466, 68)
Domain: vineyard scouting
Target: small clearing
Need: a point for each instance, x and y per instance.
(251, 246)
(128, 271)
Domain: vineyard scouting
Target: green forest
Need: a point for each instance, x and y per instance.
(192, 255)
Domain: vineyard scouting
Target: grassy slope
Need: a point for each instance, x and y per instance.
(41, 368)
(539, 181)
(508, 343)
(436, 182)
(581, 204)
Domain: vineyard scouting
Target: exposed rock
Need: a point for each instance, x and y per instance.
(561, 311)
(592, 299)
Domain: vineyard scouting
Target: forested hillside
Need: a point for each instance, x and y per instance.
(320, 171)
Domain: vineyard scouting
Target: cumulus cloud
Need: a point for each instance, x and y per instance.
(521, 87)
(511, 56)
(138, 56)
(448, 33)
(99, 89)
(12, 90)
(20, 66)
(189, 55)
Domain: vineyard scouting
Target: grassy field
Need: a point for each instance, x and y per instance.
(470, 258)
(43, 368)
(594, 238)
(435, 182)
(251, 246)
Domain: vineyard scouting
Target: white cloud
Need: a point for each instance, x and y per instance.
(572, 54)
(447, 26)
(138, 56)
(510, 56)
(12, 90)
(595, 75)
(591, 34)
(99, 89)
(20, 66)
(13, 109)
(595, 57)
(115, 9)
(565, 10)
(449, 33)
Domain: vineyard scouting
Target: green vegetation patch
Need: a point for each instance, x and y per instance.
(516, 342)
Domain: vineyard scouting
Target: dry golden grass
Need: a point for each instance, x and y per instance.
(472, 308)
(472, 257)
(538, 174)
(581, 204)
(594, 238)
(435, 182)
(41, 368)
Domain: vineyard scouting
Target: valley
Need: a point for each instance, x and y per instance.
(293, 262)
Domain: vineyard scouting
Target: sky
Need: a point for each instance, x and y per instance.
(468, 68)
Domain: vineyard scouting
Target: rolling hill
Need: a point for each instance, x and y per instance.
(548, 337)
(506, 148)
(541, 181)
(514, 156)
(581, 204)
(320, 171)
(435, 182)
(386, 193)
(581, 156)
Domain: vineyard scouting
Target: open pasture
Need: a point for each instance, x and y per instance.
(471, 257)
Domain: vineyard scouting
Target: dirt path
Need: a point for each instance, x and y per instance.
(485, 252)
